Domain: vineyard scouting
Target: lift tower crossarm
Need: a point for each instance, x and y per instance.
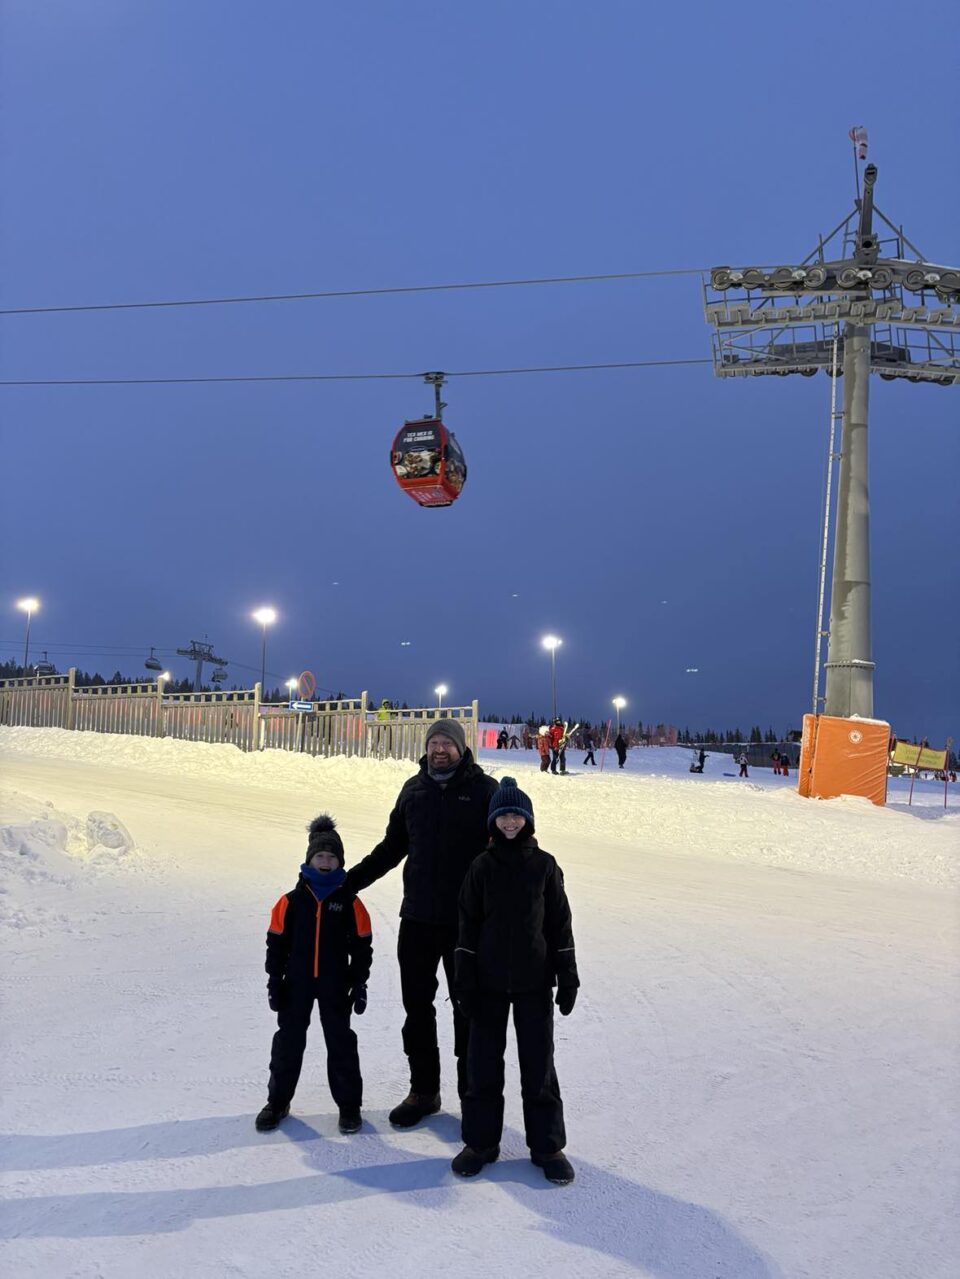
(200, 653)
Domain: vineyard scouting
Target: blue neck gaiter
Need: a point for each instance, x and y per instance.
(322, 882)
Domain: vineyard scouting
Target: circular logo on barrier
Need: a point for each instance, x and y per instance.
(306, 685)
(855, 736)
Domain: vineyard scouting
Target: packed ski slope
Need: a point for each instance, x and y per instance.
(760, 1075)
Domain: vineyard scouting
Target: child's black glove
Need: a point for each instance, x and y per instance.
(277, 995)
(566, 998)
(359, 998)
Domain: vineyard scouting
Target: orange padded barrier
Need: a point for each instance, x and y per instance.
(840, 756)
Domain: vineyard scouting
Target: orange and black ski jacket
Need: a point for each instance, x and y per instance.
(325, 943)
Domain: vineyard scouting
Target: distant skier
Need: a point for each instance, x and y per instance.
(698, 761)
(775, 758)
(503, 737)
(558, 746)
(785, 765)
(620, 746)
(588, 746)
(543, 746)
(742, 761)
(514, 742)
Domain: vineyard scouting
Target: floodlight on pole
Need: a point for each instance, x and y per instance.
(441, 691)
(291, 685)
(266, 617)
(619, 703)
(553, 642)
(29, 606)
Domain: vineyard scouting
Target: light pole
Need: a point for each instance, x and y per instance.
(619, 703)
(29, 606)
(266, 617)
(440, 691)
(291, 685)
(553, 643)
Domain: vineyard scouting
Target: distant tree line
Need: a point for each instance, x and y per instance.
(652, 734)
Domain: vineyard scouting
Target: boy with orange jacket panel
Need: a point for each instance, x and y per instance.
(319, 950)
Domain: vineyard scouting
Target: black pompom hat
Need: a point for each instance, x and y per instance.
(323, 834)
(509, 798)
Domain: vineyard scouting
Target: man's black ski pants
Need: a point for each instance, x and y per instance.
(421, 948)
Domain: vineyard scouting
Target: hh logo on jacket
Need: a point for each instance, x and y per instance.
(334, 905)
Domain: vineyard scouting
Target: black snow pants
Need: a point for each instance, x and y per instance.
(482, 1105)
(588, 759)
(343, 1061)
(621, 758)
(421, 948)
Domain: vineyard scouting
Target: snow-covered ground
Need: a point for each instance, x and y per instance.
(760, 1076)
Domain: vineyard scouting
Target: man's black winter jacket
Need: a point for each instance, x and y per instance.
(440, 829)
(324, 943)
(516, 934)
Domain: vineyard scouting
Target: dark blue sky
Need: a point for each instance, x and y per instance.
(655, 519)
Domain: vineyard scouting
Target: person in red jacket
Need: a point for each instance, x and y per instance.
(558, 746)
(543, 746)
(319, 950)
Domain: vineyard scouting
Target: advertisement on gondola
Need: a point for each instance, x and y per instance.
(417, 452)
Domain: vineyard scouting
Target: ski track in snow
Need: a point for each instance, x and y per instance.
(760, 1075)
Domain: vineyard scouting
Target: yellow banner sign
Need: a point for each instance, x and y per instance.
(919, 756)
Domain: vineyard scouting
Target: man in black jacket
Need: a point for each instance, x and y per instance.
(439, 824)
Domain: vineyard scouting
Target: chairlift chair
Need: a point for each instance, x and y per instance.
(153, 662)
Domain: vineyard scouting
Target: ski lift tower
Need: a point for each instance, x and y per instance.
(864, 301)
(200, 653)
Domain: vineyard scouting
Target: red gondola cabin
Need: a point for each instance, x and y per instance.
(428, 463)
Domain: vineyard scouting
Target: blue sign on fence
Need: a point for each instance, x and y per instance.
(301, 706)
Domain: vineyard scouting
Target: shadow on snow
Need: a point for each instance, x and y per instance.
(667, 1237)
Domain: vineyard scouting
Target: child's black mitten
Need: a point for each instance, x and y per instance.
(566, 998)
(359, 997)
(277, 995)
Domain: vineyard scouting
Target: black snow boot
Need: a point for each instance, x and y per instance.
(271, 1117)
(556, 1167)
(350, 1120)
(413, 1108)
(469, 1161)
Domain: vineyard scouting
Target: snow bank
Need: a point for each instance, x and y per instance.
(654, 806)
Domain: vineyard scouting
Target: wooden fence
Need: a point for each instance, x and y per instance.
(341, 727)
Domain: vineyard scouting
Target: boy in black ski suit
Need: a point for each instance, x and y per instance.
(515, 944)
(319, 948)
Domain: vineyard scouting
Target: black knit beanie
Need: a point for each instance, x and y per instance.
(323, 834)
(509, 798)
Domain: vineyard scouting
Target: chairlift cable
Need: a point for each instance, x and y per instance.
(346, 377)
(349, 293)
